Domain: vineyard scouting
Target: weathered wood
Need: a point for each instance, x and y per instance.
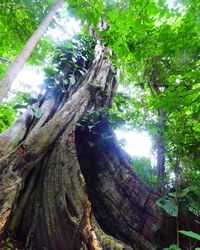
(43, 199)
(123, 205)
(65, 186)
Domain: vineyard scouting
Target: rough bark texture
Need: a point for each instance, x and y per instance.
(67, 185)
(123, 205)
(43, 199)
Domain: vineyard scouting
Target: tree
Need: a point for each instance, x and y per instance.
(65, 182)
(158, 59)
(19, 20)
(69, 155)
(18, 63)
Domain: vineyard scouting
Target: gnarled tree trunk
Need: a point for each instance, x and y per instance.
(69, 186)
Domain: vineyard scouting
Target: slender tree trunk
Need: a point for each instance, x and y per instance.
(155, 86)
(160, 146)
(17, 65)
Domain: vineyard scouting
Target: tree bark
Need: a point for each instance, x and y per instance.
(155, 86)
(65, 183)
(18, 63)
(123, 204)
(161, 152)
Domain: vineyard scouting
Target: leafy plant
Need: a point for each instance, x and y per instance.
(21, 18)
(70, 61)
(172, 247)
(181, 193)
(190, 234)
(144, 169)
(168, 204)
(11, 108)
(7, 116)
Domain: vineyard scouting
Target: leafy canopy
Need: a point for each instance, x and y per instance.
(18, 20)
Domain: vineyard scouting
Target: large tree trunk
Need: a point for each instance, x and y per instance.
(67, 185)
(17, 65)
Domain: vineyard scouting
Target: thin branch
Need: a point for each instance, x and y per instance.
(180, 13)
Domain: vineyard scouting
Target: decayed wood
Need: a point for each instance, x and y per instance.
(62, 188)
(19, 162)
(15, 134)
(40, 185)
(124, 206)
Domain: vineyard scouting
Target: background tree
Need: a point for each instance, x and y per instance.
(157, 57)
(19, 62)
(19, 19)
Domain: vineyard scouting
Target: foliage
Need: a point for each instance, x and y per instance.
(156, 50)
(70, 61)
(18, 20)
(168, 205)
(190, 234)
(186, 233)
(172, 247)
(180, 201)
(144, 169)
(37, 112)
(12, 107)
(7, 116)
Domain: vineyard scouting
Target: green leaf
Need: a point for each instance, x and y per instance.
(168, 205)
(172, 247)
(182, 193)
(190, 234)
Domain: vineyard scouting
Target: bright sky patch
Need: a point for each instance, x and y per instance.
(135, 143)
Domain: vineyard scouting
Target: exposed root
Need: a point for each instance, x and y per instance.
(4, 218)
(7, 206)
(89, 235)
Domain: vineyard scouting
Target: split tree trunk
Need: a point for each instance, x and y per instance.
(69, 187)
(17, 65)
